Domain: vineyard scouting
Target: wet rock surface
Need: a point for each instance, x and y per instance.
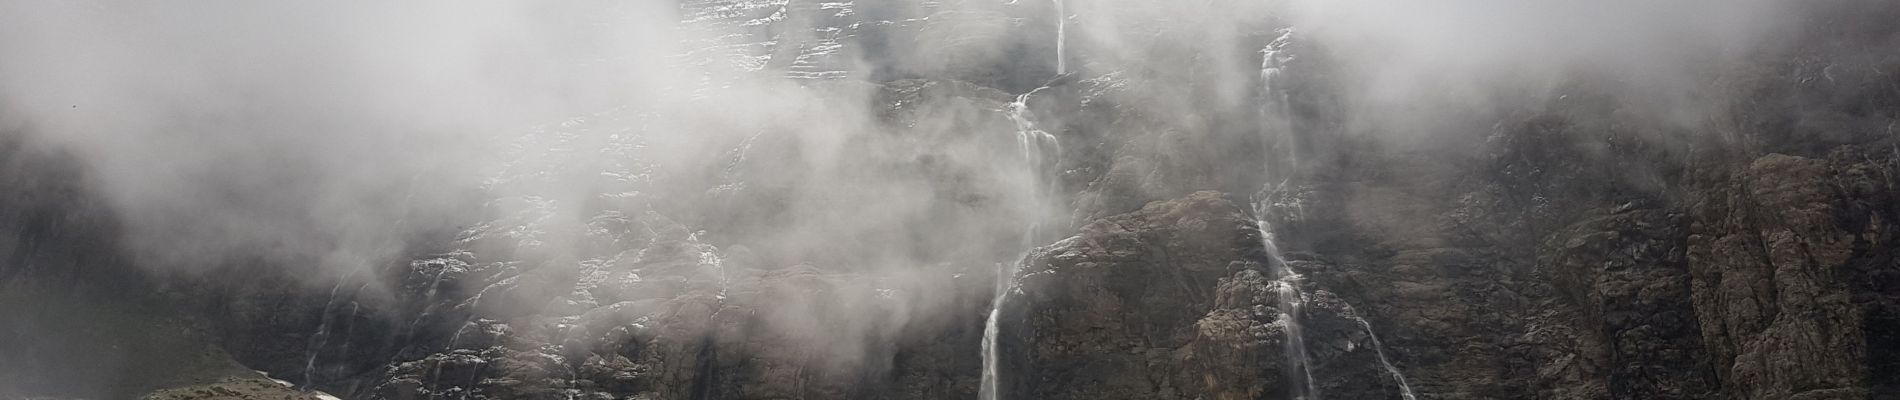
(1172, 301)
(1567, 250)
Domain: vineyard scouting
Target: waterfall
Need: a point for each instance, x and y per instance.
(322, 336)
(1037, 146)
(1405, 389)
(428, 297)
(473, 320)
(1040, 151)
(1062, 38)
(1277, 121)
(1287, 295)
(1291, 302)
(990, 328)
(1273, 60)
(1289, 298)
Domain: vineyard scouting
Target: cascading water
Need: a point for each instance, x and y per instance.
(322, 336)
(1062, 38)
(1287, 295)
(472, 322)
(442, 266)
(987, 391)
(1039, 150)
(1273, 61)
(1405, 389)
(1289, 298)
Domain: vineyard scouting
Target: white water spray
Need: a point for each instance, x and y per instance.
(1040, 152)
(1287, 295)
(1290, 301)
(987, 391)
(1289, 298)
(1277, 121)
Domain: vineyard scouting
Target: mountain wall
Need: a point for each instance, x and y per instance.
(1569, 243)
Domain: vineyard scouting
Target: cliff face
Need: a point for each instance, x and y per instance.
(1574, 250)
(1175, 300)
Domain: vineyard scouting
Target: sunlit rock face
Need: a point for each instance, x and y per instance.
(819, 208)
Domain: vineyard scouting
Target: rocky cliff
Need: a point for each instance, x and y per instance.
(1571, 247)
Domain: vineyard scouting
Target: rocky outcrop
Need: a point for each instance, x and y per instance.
(1173, 301)
(233, 388)
(736, 342)
(1773, 253)
(1624, 278)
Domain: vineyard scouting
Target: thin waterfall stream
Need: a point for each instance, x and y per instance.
(1405, 389)
(1040, 150)
(322, 336)
(1289, 298)
(1062, 38)
(1291, 302)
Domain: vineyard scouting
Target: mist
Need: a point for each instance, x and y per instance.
(518, 156)
(303, 131)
